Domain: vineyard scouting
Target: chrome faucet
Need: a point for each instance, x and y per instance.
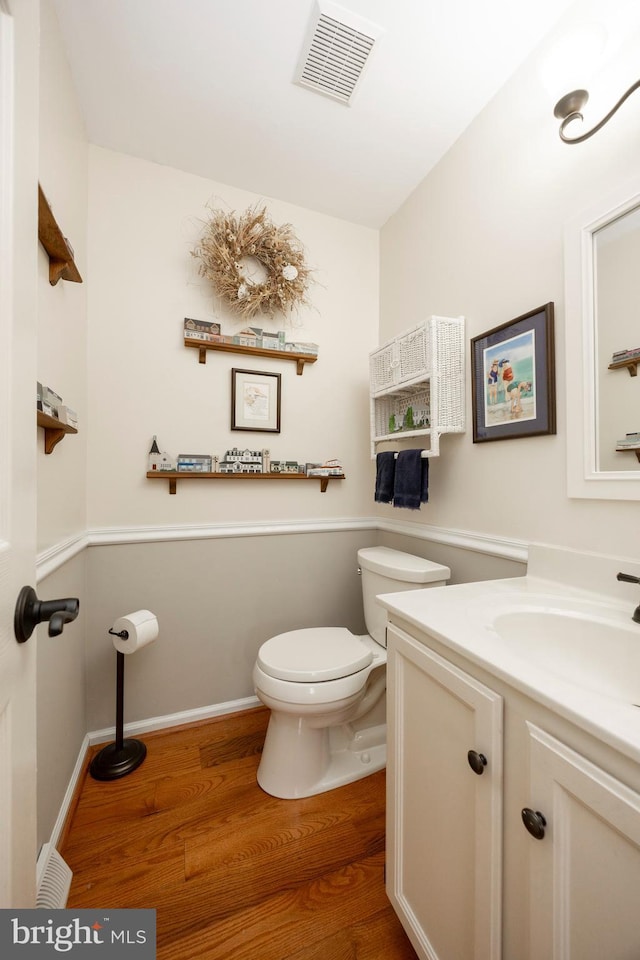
(629, 578)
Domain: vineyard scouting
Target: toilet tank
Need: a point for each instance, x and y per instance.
(385, 570)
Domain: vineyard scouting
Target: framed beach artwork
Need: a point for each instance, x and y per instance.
(255, 401)
(513, 378)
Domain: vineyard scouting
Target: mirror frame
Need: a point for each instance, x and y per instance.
(584, 480)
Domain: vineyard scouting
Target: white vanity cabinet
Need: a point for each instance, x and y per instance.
(585, 870)
(465, 877)
(444, 801)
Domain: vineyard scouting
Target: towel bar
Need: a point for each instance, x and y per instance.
(424, 454)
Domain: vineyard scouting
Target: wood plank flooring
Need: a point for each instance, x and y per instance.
(233, 873)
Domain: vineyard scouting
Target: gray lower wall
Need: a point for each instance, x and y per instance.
(466, 565)
(216, 601)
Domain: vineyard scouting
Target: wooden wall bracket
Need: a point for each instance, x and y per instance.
(54, 430)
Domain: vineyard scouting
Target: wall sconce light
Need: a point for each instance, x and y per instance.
(569, 108)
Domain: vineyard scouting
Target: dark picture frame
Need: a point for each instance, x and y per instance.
(513, 378)
(255, 401)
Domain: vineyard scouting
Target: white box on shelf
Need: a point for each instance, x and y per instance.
(68, 416)
(51, 397)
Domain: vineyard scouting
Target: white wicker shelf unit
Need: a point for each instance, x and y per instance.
(417, 384)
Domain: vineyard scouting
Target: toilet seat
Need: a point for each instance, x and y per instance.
(314, 655)
(301, 696)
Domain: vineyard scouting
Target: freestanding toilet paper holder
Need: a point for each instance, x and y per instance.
(121, 757)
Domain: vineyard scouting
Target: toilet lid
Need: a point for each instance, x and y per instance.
(314, 654)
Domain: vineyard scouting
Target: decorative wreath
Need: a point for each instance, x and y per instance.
(228, 243)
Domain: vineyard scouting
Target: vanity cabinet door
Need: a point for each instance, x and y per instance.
(444, 804)
(585, 870)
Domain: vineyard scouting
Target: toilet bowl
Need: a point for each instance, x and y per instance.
(325, 687)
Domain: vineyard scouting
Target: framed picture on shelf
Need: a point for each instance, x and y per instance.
(513, 378)
(255, 401)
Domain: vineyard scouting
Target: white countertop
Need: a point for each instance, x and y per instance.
(460, 617)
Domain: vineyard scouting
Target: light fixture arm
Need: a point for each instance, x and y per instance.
(570, 106)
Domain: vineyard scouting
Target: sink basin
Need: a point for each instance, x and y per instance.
(596, 652)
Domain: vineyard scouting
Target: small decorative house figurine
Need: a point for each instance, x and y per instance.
(287, 466)
(330, 468)
(154, 454)
(201, 329)
(158, 460)
(245, 461)
(194, 463)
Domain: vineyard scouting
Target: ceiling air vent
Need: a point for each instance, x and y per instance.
(337, 49)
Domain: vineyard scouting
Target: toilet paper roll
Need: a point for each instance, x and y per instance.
(141, 627)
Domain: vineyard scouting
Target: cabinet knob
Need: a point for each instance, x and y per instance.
(477, 761)
(534, 822)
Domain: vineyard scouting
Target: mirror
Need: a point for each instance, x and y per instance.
(616, 261)
(602, 258)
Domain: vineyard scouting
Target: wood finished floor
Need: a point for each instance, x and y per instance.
(233, 873)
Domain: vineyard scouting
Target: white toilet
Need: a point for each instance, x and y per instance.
(326, 687)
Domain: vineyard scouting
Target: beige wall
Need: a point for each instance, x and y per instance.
(62, 310)
(482, 236)
(144, 221)
(61, 476)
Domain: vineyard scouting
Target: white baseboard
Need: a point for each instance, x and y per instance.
(132, 729)
(197, 715)
(68, 797)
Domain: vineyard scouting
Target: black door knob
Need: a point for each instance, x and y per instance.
(477, 761)
(30, 612)
(534, 822)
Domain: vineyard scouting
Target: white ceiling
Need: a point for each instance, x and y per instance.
(206, 86)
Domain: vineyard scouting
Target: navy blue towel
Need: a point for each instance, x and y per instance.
(385, 471)
(411, 484)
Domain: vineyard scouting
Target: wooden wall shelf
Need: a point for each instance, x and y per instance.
(631, 365)
(61, 263)
(635, 450)
(202, 346)
(172, 476)
(54, 430)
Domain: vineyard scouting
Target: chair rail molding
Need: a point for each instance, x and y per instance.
(54, 557)
(216, 531)
(486, 543)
